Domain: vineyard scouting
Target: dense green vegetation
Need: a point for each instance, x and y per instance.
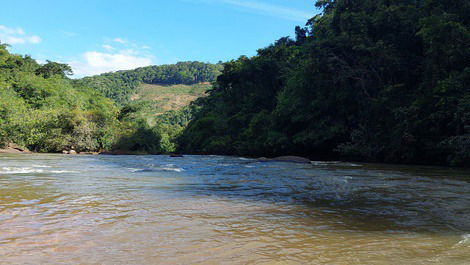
(41, 109)
(370, 80)
(121, 85)
(156, 134)
(45, 111)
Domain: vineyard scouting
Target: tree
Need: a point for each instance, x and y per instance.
(51, 69)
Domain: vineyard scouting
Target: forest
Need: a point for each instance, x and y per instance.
(43, 110)
(366, 80)
(369, 80)
(120, 85)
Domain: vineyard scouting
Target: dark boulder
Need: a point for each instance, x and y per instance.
(295, 159)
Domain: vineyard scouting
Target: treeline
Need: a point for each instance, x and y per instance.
(45, 111)
(368, 80)
(121, 85)
(40, 108)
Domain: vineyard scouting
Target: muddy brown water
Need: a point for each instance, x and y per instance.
(57, 209)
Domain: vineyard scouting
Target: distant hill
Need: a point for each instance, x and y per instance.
(158, 99)
(121, 86)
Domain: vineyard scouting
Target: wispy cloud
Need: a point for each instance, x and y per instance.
(264, 8)
(120, 40)
(122, 55)
(17, 36)
(108, 47)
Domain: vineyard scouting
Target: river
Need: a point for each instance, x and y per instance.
(57, 209)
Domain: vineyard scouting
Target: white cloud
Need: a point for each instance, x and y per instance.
(94, 62)
(108, 47)
(34, 39)
(114, 55)
(17, 36)
(11, 31)
(119, 40)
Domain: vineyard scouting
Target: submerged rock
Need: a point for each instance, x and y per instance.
(293, 159)
(265, 159)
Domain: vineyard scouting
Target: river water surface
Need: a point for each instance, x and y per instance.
(58, 209)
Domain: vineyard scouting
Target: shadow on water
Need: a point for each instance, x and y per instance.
(369, 197)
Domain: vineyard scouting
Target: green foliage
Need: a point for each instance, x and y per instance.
(369, 80)
(51, 69)
(42, 110)
(138, 136)
(122, 84)
(366, 80)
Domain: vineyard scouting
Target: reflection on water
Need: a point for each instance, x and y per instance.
(224, 210)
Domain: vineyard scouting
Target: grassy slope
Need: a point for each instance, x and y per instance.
(162, 98)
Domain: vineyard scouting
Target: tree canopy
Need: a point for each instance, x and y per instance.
(370, 80)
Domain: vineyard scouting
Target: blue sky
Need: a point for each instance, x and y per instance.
(96, 36)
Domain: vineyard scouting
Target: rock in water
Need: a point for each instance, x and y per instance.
(295, 159)
(265, 159)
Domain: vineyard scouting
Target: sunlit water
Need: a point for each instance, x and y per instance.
(58, 209)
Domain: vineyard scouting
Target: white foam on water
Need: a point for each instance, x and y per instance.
(465, 239)
(61, 171)
(168, 168)
(26, 170)
(172, 169)
(353, 165)
(41, 166)
(20, 170)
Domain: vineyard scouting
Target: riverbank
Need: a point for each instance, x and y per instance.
(14, 149)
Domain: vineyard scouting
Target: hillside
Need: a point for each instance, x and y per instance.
(156, 98)
(162, 98)
(121, 86)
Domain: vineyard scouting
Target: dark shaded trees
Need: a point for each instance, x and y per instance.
(366, 80)
(51, 69)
